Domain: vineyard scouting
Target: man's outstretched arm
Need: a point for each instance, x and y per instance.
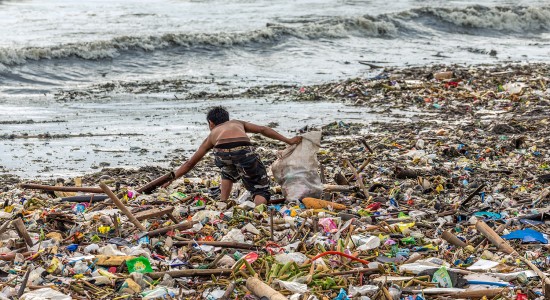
(190, 164)
(270, 133)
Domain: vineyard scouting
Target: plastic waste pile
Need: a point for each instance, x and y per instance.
(422, 208)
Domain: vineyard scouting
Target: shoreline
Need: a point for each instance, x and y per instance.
(478, 151)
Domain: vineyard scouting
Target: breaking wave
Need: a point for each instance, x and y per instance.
(273, 33)
(500, 19)
(504, 19)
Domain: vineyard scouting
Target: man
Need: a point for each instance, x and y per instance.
(234, 154)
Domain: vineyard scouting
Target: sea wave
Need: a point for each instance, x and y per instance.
(516, 19)
(500, 19)
(273, 33)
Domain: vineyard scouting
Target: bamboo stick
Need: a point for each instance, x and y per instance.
(261, 290)
(233, 245)
(32, 186)
(181, 226)
(229, 291)
(358, 178)
(22, 231)
(452, 239)
(191, 273)
(121, 206)
(494, 238)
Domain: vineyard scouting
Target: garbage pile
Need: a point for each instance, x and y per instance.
(421, 208)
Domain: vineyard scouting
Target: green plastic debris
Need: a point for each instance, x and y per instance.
(139, 264)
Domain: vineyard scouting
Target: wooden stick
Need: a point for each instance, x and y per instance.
(271, 224)
(156, 212)
(32, 186)
(4, 227)
(472, 195)
(338, 188)
(358, 178)
(261, 290)
(181, 226)
(323, 175)
(233, 245)
(350, 272)
(121, 206)
(229, 291)
(22, 231)
(364, 142)
(452, 239)
(11, 256)
(489, 293)
(23, 286)
(151, 186)
(361, 167)
(191, 273)
(494, 238)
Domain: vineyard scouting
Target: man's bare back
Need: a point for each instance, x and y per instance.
(228, 132)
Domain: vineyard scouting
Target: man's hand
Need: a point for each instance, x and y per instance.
(295, 140)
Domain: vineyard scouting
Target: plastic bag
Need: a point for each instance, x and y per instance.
(296, 168)
(442, 277)
(45, 294)
(355, 291)
(296, 257)
(294, 287)
(139, 264)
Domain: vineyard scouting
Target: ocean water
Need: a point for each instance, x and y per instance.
(49, 46)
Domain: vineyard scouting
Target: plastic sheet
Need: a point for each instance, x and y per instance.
(296, 168)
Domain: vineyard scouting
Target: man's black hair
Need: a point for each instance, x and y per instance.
(217, 115)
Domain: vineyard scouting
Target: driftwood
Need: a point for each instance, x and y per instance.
(157, 232)
(85, 198)
(472, 195)
(452, 239)
(5, 226)
(191, 273)
(262, 290)
(358, 178)
(494, 238)
(22, 231)
(156, 212)
(367, 271)
(32, 186)
(361, 168)
(338, 188)
(122, 207)
(229, 291)
(151, 186)
(23, 286)
(233, 245)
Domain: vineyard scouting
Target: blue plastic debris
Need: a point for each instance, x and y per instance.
(342, 295)
(526, 235)
(488, 215)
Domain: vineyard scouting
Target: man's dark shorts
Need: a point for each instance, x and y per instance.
(243, 163)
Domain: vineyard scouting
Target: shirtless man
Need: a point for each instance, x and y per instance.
(234, 154)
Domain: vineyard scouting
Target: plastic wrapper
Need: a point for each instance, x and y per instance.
(296, 257)
(45, 294)
(296, 168)
(294, 287)
(365, 290)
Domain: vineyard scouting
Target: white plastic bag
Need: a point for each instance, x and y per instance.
(364, 290)
(45, 294)
(296, 257)
(294, 287)
(296, 168)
